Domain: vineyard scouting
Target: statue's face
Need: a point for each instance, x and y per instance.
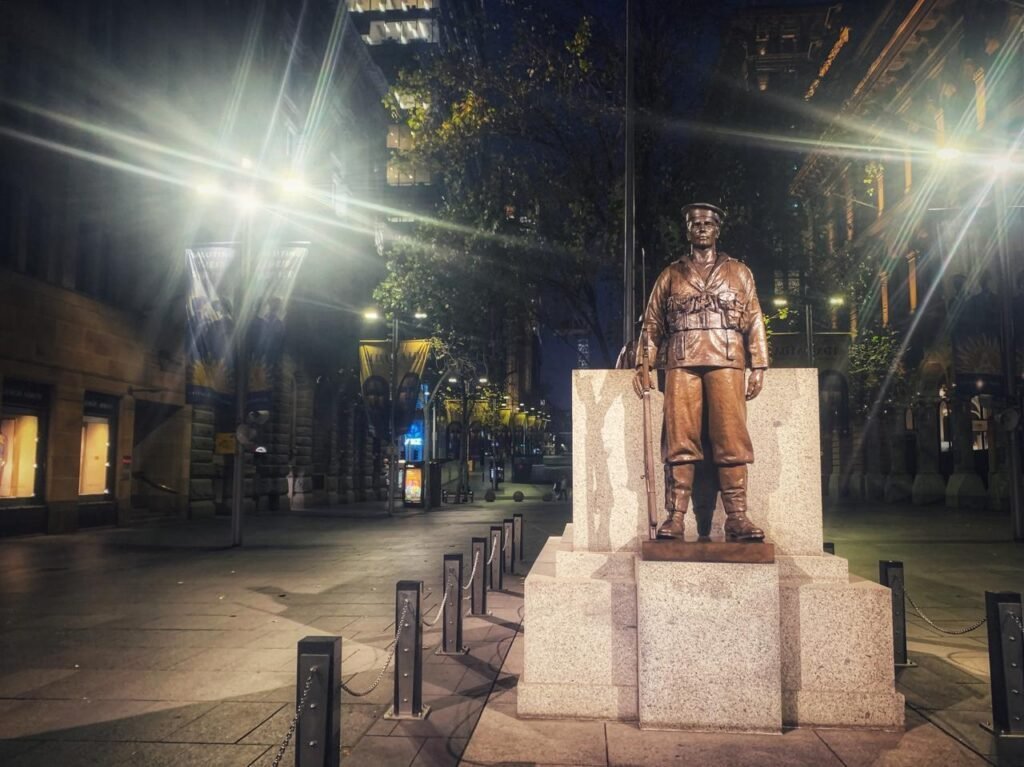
(702, 227)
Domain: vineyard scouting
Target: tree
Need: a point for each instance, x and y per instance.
(528, 146)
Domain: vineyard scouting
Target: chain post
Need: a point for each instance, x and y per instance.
(451, 626)
(517, 531)
(1006, 671)
(494, 559)
(318, 721)
(508, 546)
(890, 573)
(478, 588)
(829, 547)
(408, 695)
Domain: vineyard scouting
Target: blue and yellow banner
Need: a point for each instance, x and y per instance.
(209, 378)
(212, 321)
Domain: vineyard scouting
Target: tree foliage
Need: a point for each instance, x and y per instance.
(527, 143)
(876, 369)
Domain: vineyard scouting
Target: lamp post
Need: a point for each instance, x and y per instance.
(393, 450)
(241, 378)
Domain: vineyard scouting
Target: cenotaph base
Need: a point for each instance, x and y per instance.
(695, 645)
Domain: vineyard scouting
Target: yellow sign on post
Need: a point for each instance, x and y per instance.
(224, 443)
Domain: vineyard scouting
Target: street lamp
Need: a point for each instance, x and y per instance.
(373, 315)
(247, 201)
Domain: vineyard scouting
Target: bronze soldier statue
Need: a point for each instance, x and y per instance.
(704, 310)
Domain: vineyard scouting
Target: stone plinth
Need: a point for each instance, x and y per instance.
(708, 636)
(837, 654)
(579, 655)
(716, 646)
(609, 510)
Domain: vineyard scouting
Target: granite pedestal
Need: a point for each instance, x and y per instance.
(601, 624)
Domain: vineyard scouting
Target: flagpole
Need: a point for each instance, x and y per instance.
(629, 251)
(241, 384)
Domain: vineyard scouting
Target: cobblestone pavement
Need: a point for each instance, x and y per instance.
(160, 645)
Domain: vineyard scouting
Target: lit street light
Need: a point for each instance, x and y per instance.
(373, 315)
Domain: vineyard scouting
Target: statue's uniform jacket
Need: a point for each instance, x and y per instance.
(711, 331)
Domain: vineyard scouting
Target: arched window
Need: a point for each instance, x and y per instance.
(981, 411)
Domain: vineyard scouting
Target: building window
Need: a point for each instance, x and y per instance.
(945, 428)
(883, 288)
(980, 413)
(22, 428)
(19, 438)
(96, 473)
(794, 282)
(380, 6)
(980, 98)
(399, 137)
(405, 173)
(405, 31)
(912, 279)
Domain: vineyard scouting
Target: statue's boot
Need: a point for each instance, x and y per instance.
(738, 527)
(678, 488)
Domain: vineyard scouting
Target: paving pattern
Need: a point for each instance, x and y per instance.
(160, 645)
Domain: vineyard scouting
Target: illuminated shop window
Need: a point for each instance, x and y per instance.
(22, 439)
(19, 441)
(95, 475)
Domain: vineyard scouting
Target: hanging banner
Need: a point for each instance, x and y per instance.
(268, 294)
(209, 377)
(212, 321)
(375, 377)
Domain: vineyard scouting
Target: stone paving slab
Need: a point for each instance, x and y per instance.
(97, 631)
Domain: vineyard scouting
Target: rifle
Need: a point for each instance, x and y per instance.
(652, 502)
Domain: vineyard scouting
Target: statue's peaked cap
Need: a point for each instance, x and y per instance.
(704, 206)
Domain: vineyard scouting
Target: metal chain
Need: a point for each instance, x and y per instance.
(472, 574)
(494, 551)
(295, 720)
(440, 610)
(391, 654)
(930, 622)
(1017, 621)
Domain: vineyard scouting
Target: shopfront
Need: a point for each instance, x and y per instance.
(97, 464)
(24, 411)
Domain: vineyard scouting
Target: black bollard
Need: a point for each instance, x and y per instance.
(828, 547)
(408, 697)
(517, 531)
(494, 557)
(1006, 671)
(451, 626)
(478, 590)
(318, 729)
(891, 574)
(508, 547)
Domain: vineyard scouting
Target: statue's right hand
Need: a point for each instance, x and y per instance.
(638, 382)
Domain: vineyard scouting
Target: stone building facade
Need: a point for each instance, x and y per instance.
(901, 209)
(113, 117)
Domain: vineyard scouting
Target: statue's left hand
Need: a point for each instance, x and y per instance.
(755, 382)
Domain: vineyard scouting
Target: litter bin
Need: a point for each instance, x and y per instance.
(522, 468)
(435, 484)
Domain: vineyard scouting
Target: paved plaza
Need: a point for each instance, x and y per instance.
(159, 645)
